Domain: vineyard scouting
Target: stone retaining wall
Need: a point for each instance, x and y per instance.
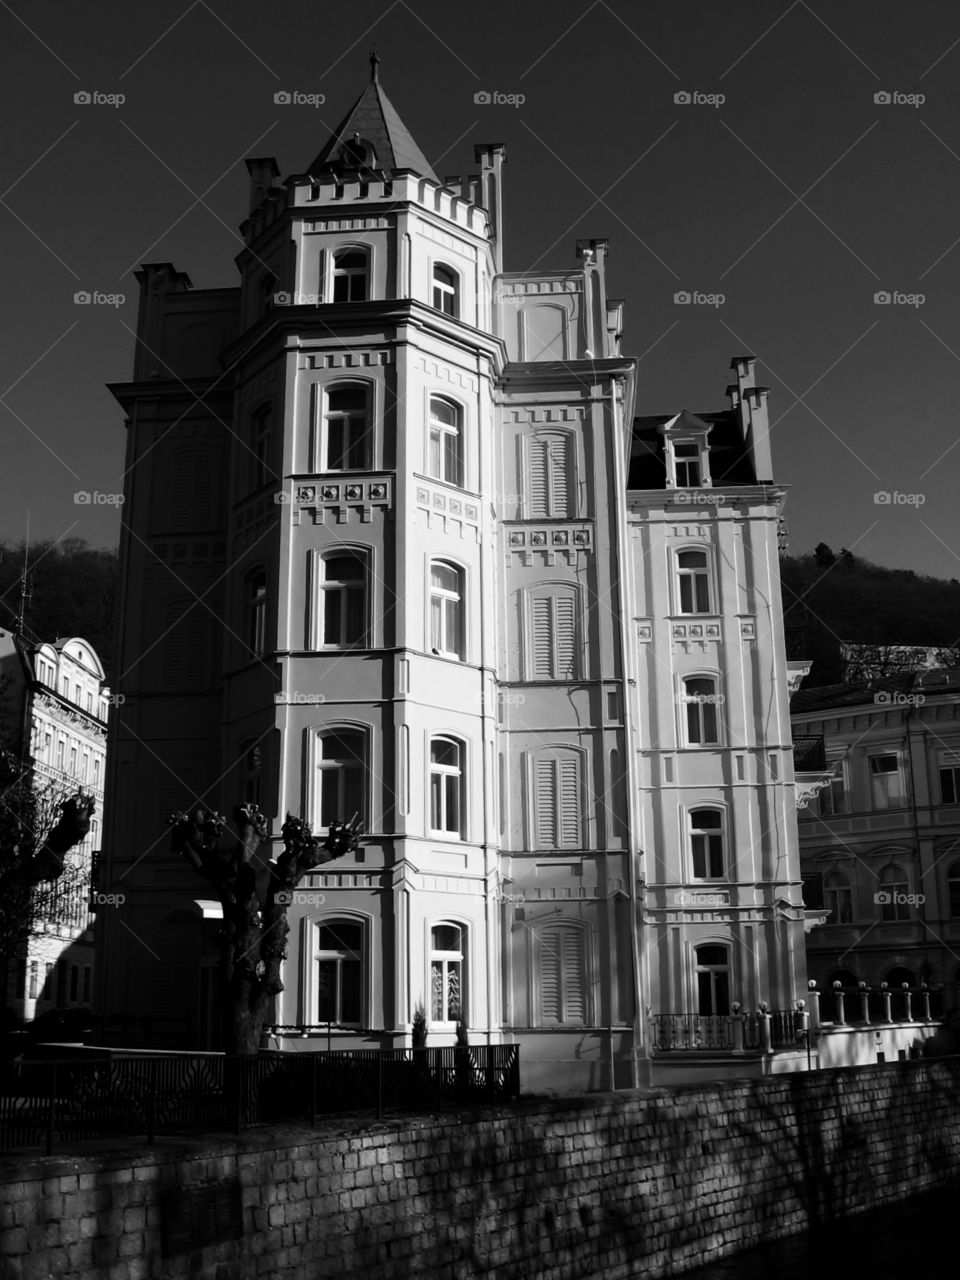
(548, 1189)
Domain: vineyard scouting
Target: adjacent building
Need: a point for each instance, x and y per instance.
(396, 545)
(56, 704)
(880, 838)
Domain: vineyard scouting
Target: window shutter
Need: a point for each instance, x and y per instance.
(574, 976)
(566, 633)
(546, 804)
(569, 807)
(559, 483)
(537, 480)
(542, 645)
(551, 995)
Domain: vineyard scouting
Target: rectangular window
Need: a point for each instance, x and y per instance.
(34, 978)
(548, 479)
(950, 784)
(887, 783)
(348, 432)
(558, 803)
(687, 461)
(833, 799)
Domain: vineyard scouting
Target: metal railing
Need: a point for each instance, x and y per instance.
(763, 1032)
(48, 1103)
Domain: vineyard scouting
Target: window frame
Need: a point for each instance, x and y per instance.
(449, 292)
(446, 594)
(552, 593)
(701, 461)
(445, 958)
(586, 937)
(255, 610)
(893, 879)
(443, 432)
(441, 771)
(709, 835)
(702, 701)
(261, 446)
(350, 273)
(318, 766)
(556, 754)
(552, 507)
(325, 413)
(314, 955)
(323, 587)
(834, 895)
(703, 967)
(695, 576)
(874, 774)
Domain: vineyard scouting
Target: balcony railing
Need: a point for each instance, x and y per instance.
(809, 754)
(862, 1005)
(765, 1031)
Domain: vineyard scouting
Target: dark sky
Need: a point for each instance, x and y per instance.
(798, 198)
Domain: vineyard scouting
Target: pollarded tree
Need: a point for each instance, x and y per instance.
(255, 894)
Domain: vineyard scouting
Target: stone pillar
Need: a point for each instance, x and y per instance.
(925, 996)
(736, 1027)
(887, 995)
(838, 996)
(763, 1018)
(908, 1011)
(813, 995)
(864, 1002)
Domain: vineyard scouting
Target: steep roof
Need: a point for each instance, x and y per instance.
(729, 461)
(373, 119)
(943, 680)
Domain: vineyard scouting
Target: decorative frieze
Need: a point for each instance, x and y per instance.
(451, 513)
(448, 373)
(558, 544)
(372, 223)
(336, 500)
(344, 359)
(696, 631)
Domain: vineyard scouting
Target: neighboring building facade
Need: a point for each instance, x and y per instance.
(880, 840)
(58, 694)
(395, 546)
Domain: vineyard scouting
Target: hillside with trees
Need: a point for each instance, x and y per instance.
(72, 591)
(832, 598)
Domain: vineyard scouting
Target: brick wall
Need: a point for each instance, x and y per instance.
(669, 1178)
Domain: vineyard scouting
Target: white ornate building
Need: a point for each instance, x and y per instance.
(58, 694)
(398, 546)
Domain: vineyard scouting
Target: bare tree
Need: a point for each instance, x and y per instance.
(256, 894)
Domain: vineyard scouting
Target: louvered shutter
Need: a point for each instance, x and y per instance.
(545, 803)
(542, 644)
(551, 990)
(537, 480)
(569, 804)
(565, 637)
(574, 975)
(558, 478)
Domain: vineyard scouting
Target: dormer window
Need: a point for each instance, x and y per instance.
(687, 464)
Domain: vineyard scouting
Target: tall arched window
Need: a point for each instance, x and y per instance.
(347, 435)
(341, 767)
(445, 444)
(343, 591)
(257, 611)
(351, 269)
(549, 479)
(447, 950)
(838, 898)
(892, 894)
(552, 647)
(261, 441)
(556, 799)
(693, 582)
(446, 609)
(713, 979)
(953, 888)
(562, 986)
(447, 780)
(706, 844)
(446, 290)
(339, 972)
(701, 699)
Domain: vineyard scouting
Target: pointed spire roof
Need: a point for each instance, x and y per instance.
(373, 122)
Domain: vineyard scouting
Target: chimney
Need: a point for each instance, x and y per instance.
(491, 156)
(745, 368)
(262, 172)
(756, 431)
(593, 254)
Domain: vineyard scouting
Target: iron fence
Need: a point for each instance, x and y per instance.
(51, 1103)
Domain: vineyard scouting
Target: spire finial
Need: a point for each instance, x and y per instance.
(374, 65)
